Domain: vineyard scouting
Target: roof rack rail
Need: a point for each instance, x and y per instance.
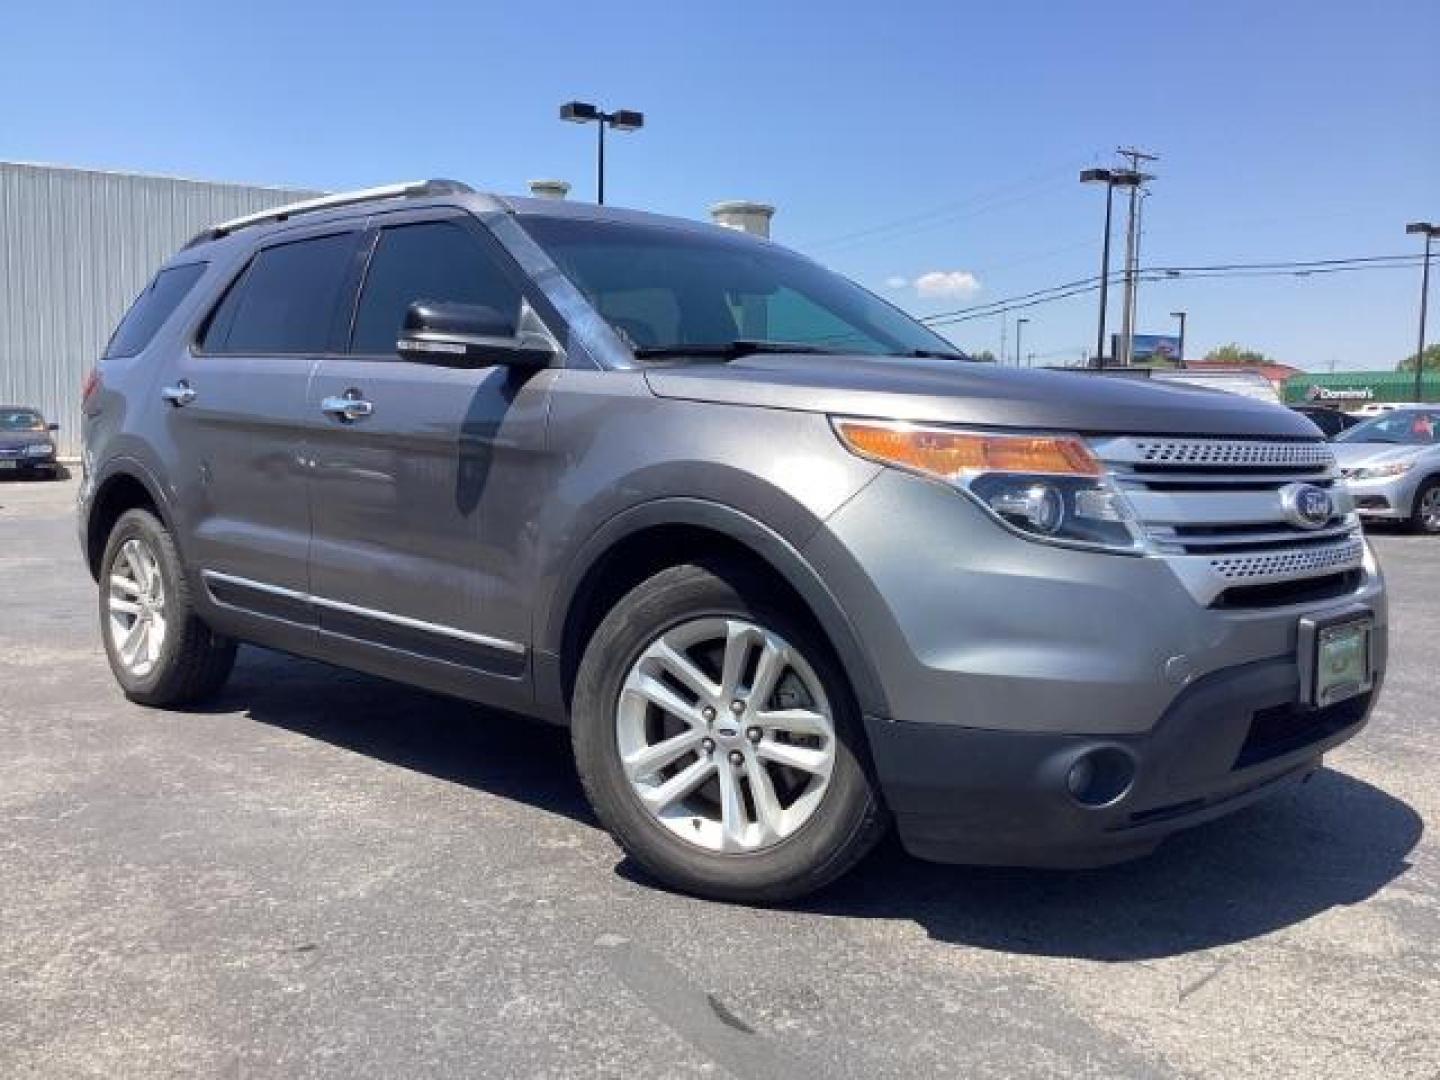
(414, 189)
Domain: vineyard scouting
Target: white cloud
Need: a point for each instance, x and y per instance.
(947, 283)
(896, 282)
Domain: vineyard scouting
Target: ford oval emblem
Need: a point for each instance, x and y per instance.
(1306, 506)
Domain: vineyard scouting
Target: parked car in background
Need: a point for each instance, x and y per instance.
(1392, 464)
(1249, 384)
(1330, 421)
(26, 444)
(788, 565)
(1380, 408)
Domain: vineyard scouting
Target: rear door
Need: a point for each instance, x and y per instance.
(237, 418)
(422, 500)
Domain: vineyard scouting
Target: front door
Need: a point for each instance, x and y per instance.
(420, 475)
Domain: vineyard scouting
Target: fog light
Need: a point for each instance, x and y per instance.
(1101, 777)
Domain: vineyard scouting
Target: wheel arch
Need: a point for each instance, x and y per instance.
(666, 532)
(126, 485)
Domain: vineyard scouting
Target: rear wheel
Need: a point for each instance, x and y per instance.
(718, 740)
(159, 649)
(1425, 517)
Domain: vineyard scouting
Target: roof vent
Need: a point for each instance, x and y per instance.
(549, 189)
(744, 216)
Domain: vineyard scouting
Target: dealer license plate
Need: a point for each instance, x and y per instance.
(1342, 660)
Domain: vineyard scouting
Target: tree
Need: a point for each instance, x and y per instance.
(984, 355)
(1432, 360)
(1235, 354)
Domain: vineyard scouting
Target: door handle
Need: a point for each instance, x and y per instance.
(348, 407)
(179, 395)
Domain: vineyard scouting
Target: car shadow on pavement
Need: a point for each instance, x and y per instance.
(1333, 841)
(509, 756)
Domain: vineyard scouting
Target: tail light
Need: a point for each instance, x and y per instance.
(91, 384)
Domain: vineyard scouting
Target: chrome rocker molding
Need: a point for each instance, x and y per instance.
(483, 640)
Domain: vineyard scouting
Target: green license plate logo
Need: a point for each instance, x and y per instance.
(1342, 668)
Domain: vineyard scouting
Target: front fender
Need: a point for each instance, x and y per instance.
(757, 537)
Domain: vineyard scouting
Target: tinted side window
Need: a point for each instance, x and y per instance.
(285, 302)
(151, 308)
(437, 260)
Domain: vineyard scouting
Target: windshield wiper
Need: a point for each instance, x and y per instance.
(726, 350)
(935, 354)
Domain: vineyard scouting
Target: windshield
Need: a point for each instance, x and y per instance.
(21, 420)
(663, 289)
(1407, 427)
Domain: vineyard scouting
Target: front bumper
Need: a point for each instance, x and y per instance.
(28, 466)
(1388, 499)
(1001, 797)
(1002, 662)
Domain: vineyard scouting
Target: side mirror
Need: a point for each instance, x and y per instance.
(52, 427)
(469, 336)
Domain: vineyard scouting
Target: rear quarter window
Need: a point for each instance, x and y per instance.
(151, 308)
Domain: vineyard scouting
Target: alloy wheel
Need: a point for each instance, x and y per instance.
(1430, 510)
(136, 607)
(725, 735)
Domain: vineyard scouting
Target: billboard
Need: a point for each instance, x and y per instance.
(1164, 348)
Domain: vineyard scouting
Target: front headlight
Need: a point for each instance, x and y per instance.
(1045, 487)
(1380, 472)
(38, 449)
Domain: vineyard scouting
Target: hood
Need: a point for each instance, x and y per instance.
(956, 392)
(11, 439)
(1353, 454)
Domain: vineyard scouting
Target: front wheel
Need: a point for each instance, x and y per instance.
(1425, 517)
(159, 649)
(718, 740)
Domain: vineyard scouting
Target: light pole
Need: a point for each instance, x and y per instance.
(1429, 231)
(1180, 358)
(581, 112)
(1111, 178)
(1019, 328)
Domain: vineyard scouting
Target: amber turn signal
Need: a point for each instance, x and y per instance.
(949, 454)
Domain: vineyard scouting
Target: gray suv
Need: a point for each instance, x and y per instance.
(789, 567)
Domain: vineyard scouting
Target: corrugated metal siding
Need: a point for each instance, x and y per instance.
(76, 247)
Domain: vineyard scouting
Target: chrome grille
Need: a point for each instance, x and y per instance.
(1245, 453)
(1213, 508)
(1287, 564)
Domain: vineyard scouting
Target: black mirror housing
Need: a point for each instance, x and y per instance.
(468, 336)
(52, 427)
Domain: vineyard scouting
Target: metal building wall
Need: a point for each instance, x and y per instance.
(76, 247)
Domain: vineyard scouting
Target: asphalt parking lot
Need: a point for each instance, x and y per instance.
(329, 875)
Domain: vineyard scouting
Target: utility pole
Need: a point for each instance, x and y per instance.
(1132, 250)
(1019, 327)
(1004, 325)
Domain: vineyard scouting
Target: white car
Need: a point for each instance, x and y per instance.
(1392, 465)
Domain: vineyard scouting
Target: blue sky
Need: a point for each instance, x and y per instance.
(897, 139)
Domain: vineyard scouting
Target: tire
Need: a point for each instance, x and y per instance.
(184, 661)
(1425, 515)
(836, 815)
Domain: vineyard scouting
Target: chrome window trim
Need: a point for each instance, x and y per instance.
(371, 613)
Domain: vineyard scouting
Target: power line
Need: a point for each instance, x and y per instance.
(1301, 268)
(1008, 194)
